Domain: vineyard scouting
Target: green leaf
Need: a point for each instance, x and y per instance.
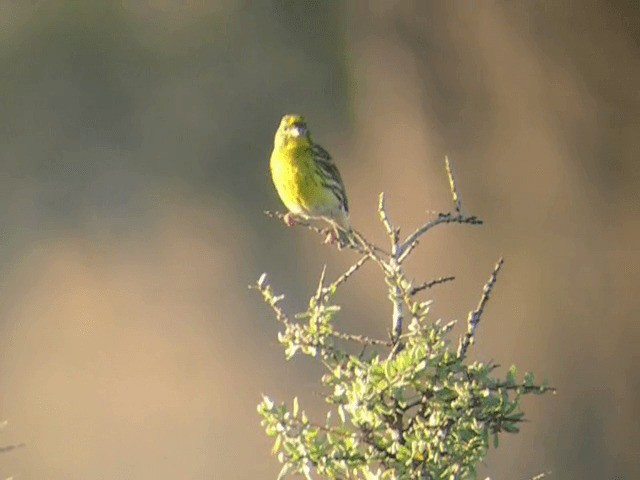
(295, 407)
(510, 427)
(511, 376)
(276, 445)
(341, 414)
(528, 379)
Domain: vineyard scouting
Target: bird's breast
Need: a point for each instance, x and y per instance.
(295, 179)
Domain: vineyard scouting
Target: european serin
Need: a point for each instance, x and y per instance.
(306, 178)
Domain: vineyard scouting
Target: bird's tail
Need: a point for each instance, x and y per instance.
(354, 239)
(347, 236)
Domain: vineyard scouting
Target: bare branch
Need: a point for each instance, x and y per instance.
(474, 316)
(430, 284)
(362, 339)
(356, 241)
(394, 233)
(345, 276)
(412, 240)
(368, 247)
(383, 214)
(321, 288)
(402, 250)
(523, 388)
(299, 222)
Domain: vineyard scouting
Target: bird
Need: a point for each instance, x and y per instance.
(307, 179)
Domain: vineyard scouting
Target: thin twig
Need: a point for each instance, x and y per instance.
(325, 232)
(405, 248)
(367, 247)
(452, 185)
(361, 339)
(352, 269)
(541, 475)
(321, 288)
(412, 240)
(430, 284)
(522, 388)
(474, 316)
(360, 245)
(272, 300)
(8, 448)
(394, 233)
(299, 222)
(383, 214)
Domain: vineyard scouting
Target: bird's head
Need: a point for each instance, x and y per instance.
(293, 128)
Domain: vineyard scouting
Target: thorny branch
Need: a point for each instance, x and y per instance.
(401, 250)
(274, 302)
(391, 263)
(412, 240)
(474, 315)
(402, 418)
(452, 186)
(362, 339)
(350, 271)
(394, 233)
(432, 283)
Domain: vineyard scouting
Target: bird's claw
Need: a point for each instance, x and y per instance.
(330, 238)
(289, 219)
(333, 237)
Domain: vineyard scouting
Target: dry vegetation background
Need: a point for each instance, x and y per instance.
(133, 172)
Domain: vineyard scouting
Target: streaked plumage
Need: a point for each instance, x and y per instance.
(305, 176)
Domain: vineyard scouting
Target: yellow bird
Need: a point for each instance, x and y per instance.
(306, 178)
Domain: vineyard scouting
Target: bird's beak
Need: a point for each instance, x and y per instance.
(298, 131)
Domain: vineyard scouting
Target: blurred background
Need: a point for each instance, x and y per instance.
(135, 138)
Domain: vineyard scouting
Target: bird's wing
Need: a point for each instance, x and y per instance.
(330, 171)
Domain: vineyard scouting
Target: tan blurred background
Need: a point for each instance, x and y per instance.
(133, 174)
